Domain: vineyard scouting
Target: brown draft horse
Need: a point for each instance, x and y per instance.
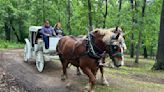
(85, 53)
(116, 50)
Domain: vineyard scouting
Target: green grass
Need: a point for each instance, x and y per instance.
(10, 44)
(133, 78)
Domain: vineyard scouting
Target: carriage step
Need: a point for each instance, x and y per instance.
(47, 57)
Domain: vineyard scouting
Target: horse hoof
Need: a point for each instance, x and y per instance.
(78, 73)
(68, 85)
(63, 78)
(105, 82)
(86, 88)
(91, 91)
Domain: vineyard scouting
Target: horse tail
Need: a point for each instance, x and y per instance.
(58, 47)
(58, 50)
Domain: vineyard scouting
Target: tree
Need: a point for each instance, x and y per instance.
(159, 65)
(90, 15)
(69, 16)
(119, 9)
(132, 34)
(18, 15)
(140, 33)
(106, 13)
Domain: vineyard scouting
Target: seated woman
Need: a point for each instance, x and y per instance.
(47, 31)
(58, 30)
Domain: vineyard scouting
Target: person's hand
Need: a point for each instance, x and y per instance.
(47, 34)
(54, 34)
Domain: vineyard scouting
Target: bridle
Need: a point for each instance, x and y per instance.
(112, 52)
(95, 52)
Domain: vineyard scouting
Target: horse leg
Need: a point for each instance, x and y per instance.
(78, 71)
(65, 65)
(92, 78)
(103, 79)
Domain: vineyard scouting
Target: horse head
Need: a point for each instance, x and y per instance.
(111, 43)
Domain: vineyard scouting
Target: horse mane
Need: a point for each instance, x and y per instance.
(107, 34)
(114, 29)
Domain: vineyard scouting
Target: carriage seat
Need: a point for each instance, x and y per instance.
(38, 36)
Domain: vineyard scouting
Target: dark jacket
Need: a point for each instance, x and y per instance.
(59, 32)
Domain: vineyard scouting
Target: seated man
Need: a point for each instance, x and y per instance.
(47, 31)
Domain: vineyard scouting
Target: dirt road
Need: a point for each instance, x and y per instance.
(33, 81)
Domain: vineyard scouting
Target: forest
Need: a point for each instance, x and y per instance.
(18, 15)
(141, 21)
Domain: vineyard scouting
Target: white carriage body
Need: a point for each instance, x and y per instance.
(33, 31)
(35, 47)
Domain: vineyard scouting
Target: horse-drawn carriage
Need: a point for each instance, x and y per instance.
(35, 48)
(84, 53)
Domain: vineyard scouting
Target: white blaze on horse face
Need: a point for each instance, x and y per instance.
(120, 60)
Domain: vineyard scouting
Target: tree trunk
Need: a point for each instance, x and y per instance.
(69, 16)
(138, 47)
(159, 65)
(132, 45)
(20, 28)
(106, 13)
(13, 29)
(7, 31)
(58, 7)
(145, 52)
(132, 35)
(151, 52)
(120, 4)
(140, 34)
(90, 15)
(119, 9)
(77, 2)
(43, 10)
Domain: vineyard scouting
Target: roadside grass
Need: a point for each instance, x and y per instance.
(133, 77)
(4, 44)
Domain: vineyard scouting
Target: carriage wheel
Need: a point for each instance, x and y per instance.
(25, 53)
(39, 61)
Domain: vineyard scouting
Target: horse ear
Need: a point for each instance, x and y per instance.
(96, 31)
(124, 37)
(117, 36)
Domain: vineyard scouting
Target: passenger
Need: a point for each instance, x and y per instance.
(58, 30)
(47, 31)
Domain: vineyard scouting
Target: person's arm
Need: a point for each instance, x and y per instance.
(53, 31)
(63, 33)
(43, 32)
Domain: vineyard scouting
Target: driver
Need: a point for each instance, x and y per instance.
(47, 31)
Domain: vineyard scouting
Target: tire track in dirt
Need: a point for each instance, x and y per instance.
(27, 75)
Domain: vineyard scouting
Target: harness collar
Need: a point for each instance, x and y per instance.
(92, 50)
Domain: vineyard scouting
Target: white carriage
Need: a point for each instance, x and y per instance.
(35, 48)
